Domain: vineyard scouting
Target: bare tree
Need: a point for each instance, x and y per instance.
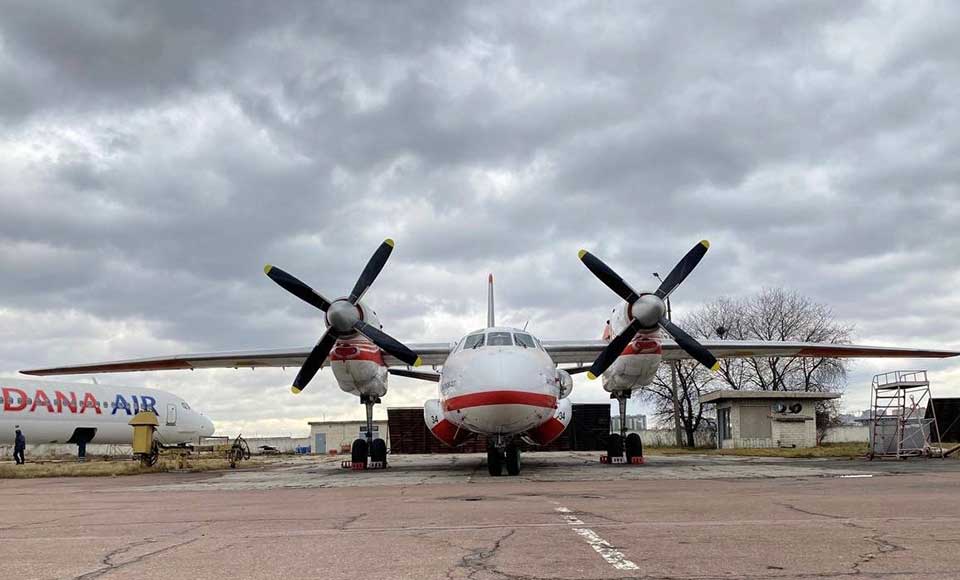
(693, 381)
(772, 314)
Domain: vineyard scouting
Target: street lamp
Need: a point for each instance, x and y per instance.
(673, 381)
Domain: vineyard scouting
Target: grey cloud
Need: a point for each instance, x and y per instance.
(154, 157)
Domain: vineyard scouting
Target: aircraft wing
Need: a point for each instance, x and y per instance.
(586, 351)
(432, 353)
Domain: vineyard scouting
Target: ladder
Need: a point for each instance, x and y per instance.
(899, 427)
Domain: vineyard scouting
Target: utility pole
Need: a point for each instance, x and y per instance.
(678, 432)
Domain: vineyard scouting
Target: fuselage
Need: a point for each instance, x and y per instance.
(58, 412)
(499, 381)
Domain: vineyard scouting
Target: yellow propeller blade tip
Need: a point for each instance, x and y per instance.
(591, 376)
(705, 244)
(388, 242)
(581, 253)
(267, 268)
(295, 390)
(418, 362)
(715, 367)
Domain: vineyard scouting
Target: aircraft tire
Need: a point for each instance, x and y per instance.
(633, 446)
(495, 461)
(614, 445)
(358, 452)
(513, 459)
(378, 451)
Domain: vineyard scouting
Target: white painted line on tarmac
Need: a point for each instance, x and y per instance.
(857, 475)
(612, 556)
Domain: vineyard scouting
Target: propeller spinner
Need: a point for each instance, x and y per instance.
(647, 311)
(343, 316)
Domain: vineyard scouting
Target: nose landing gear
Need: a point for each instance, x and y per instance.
(500, 455)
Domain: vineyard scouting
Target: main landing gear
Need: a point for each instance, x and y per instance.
(623, 447)
(502, 455)
(368, 453)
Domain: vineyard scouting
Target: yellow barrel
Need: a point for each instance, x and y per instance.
(144, 424)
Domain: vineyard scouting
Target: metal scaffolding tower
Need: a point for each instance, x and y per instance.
(899, 426)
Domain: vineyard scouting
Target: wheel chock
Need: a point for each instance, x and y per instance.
(621, 460)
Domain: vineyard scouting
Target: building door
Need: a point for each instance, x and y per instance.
(171, 414)
(319, 442)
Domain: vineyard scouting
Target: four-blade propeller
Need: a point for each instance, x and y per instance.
(647, 311)
(343, 316)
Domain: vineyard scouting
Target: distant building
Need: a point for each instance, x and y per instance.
(862, 418)
(766, 418)
(633, 423)
(327, 436)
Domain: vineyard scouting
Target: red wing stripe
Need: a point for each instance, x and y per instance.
(499, 398)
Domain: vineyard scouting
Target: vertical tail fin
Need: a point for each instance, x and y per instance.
(490, 320)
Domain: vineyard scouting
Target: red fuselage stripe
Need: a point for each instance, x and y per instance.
(485, 398)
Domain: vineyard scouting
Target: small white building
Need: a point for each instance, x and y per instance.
(338, 436)
(754, 419)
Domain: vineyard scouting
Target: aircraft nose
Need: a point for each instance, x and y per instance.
(206, 426)
(505, 393)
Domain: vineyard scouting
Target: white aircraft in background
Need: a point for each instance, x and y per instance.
(499, 382)
(81, 413)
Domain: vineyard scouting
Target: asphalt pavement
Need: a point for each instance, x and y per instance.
(566, 516)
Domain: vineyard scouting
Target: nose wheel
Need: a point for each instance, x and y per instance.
(503, 456)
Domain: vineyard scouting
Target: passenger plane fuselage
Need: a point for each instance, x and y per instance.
(57, 412)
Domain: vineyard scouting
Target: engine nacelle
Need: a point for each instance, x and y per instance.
(358, 367)
(637, 364)
(553, 427)
(447, 432)
(566, 383)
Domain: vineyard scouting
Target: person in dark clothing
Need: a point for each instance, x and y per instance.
(19, 444)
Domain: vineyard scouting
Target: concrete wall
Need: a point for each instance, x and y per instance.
(50, 451)
(667, 438)
(340, 435)
(847, 434)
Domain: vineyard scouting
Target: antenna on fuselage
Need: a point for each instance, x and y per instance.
(490, 320)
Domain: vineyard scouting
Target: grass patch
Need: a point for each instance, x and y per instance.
(841, 450)
(95, 468)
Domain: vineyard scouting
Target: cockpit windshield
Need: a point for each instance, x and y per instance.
(473, 341)
(524, 340)
(499, 339)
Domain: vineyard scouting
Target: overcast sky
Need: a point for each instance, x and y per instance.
(153, 156)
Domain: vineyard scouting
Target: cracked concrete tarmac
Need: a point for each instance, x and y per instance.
(442, 517)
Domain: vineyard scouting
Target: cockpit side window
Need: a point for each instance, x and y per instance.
(499, 339)
(473, 341)
(185, 405)
(524, 340)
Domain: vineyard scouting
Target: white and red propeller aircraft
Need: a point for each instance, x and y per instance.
(500, 382)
